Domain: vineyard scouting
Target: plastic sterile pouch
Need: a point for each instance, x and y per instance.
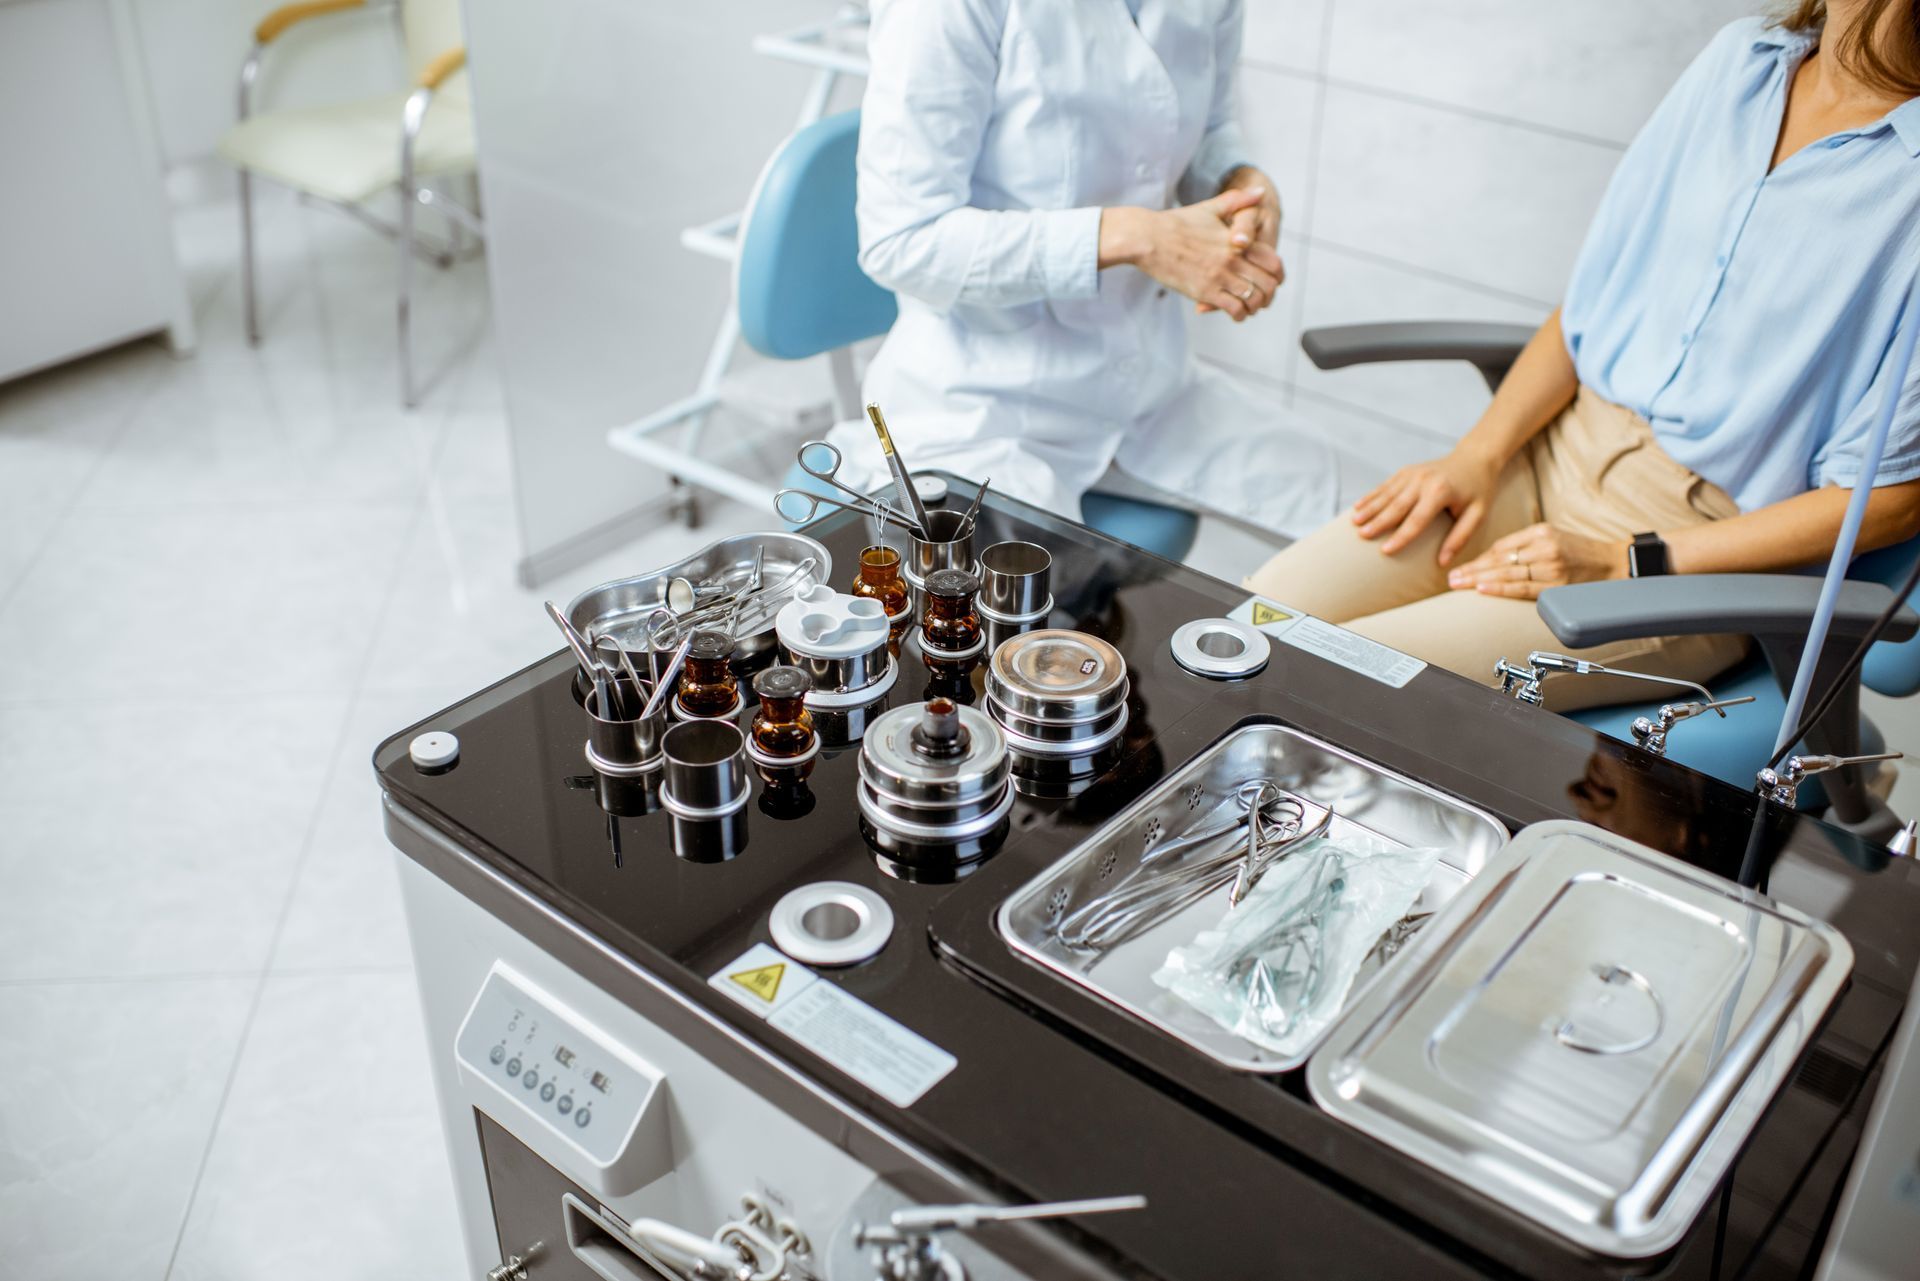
(1277, 968)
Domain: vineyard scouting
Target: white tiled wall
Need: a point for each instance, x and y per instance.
(1436, 161)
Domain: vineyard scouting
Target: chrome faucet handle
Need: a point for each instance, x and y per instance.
(1782, 785)
(909, 1251)
(1518, 681)
(1650, 732)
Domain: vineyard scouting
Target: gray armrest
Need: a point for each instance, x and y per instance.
(1491, 349)
(1762, 605)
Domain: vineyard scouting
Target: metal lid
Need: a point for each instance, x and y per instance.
(1057, 675)
(951, 583)
(905, 760)
(782, 682)
(1586, 1034)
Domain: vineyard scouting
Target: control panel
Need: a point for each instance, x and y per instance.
(550, 1078)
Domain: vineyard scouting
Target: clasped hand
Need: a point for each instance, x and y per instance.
(1219, 252)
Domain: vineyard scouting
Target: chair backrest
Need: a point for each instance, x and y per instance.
(797, 279)
(1891, 669)
(429, 28)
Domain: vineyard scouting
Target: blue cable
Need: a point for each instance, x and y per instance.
(1856, 515)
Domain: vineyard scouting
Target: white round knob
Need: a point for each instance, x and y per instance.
(434, 750)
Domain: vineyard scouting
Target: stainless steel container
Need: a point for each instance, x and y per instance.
(1365, 798)
(1586, 1035)
(706, 770)
(623, 748)
(1057, 692)
(949, 545)
(934, 773)
(620, 609)
(1014, 581)
(840, 642)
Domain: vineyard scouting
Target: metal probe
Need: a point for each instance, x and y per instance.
(904, 482)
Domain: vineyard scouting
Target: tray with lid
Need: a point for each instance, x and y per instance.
(1366, 799)
(1586, 1035)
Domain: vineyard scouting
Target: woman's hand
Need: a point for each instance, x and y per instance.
(1404, 505)
(1256, 224)
(1191, 249)
(1525, 564)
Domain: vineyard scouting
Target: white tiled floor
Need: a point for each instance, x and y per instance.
(222, 581)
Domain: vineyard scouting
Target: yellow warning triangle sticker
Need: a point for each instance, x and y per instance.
(1264, 613)
(763, 982)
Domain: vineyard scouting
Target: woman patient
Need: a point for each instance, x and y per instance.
(1706, 388)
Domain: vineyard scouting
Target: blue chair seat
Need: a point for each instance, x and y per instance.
(1165, 531)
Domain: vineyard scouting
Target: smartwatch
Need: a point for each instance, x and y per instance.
(1647, 556)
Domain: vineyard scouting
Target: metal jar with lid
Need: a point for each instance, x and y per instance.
(934, 774)
(1057, 692)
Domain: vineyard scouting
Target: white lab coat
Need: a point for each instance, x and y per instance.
(992, 134)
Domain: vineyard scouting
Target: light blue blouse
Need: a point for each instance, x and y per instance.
(1749, 316)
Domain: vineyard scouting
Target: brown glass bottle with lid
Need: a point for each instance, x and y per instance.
(708, 689)
(950, 629)
(782, 728)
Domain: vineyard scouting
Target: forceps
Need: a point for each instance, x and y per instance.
(821, 460)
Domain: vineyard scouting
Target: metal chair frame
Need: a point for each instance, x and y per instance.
(404, 234)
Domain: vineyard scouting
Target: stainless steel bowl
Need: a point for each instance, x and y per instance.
(947, 548)
(1014, 578)
(620, 609)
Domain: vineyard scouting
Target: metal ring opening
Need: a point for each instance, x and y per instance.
(831, 923)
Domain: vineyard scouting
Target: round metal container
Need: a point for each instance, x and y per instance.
(909, 789)
(706, 770)
(623, 748)
(709, 840)
(947, 546)
(1057, 675)
(1013, 579)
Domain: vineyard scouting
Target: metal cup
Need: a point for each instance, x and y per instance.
(623, 747)
(1014, 579)
(949, 545)
(706, 769)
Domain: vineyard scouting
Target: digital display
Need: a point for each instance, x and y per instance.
(563, 1056)
(599, 1081)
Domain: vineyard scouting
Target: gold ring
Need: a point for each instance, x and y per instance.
(1247, 295)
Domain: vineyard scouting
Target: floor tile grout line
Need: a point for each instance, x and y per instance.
(267, 973)
(139, 400)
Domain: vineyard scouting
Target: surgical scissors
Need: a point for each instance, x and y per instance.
(821, 460)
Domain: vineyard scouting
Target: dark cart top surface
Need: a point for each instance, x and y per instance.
(1058, 1095)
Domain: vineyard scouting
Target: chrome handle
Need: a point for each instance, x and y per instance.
(1570, 1036)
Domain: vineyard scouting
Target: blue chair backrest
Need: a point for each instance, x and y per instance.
(797, 282)
(1891, 669)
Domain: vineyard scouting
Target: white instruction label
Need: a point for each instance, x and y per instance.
(1355, 653)
(894, 1061)
(1269, 616)
(763, 978)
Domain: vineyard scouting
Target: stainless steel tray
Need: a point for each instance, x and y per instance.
(1368, 799)
(620, 608)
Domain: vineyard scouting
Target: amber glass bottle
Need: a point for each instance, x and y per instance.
(951, 626)
(707, 686)
(879, 578)
(782, 727)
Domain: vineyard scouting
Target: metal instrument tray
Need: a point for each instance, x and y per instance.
(1367, 799)
(619, 609)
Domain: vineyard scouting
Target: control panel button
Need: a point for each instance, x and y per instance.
(583, 1116)
(513, 1067)
(546, 1092)
(565, 1104)
(531, 1079)
(497, 1053)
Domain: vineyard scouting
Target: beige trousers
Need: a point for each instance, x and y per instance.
(1595, 470)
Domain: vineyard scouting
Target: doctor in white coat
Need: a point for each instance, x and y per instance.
(1051, 188)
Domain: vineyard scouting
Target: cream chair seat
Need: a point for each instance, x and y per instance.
(348, 153)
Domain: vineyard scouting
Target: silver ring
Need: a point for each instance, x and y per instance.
(1513, 558)
(1247, 296)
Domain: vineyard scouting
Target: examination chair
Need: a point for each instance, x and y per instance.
(345, 154)
(800, 293)
(1775, 609)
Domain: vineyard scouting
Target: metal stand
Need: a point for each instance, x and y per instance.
(820, 46)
